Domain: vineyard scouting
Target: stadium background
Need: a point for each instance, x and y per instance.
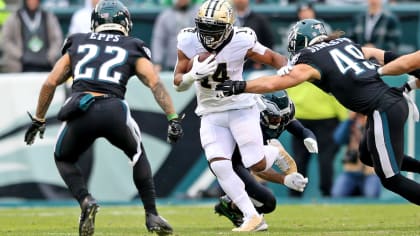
(180, 171)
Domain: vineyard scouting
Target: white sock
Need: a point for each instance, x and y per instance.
(271, 154)
(233, 186)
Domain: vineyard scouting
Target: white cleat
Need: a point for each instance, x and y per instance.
(286, 163)
(253, 224)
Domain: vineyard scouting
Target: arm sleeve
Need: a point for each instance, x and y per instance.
(299, 131)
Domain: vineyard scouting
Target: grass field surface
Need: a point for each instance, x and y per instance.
(192, 220)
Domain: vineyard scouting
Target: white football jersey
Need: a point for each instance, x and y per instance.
(230, 66)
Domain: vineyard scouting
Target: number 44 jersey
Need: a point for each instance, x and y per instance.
(230, 59)
(345, 73)
(103, 62)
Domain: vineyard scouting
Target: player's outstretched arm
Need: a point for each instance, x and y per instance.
(146, 73)
(404, 64)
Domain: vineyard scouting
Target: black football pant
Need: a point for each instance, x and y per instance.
(383, 148)
(108, 118)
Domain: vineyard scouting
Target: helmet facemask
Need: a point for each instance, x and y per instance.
(212, 34)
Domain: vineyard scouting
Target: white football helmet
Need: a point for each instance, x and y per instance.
(214, 22)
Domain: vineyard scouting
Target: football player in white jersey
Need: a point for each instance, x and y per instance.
(228, 121)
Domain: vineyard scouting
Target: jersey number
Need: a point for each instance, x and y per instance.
(345, 60)
(219, 75)
(105, 72)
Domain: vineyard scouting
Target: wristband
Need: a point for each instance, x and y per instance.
(172, 116)
(379, 70)
(186, 82)
(389, 56)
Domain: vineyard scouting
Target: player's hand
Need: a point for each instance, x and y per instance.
(284, 70)
(295, 181)
(311, 145)
(203, 69)
(175, 131)
(230, 87)
(37, 125)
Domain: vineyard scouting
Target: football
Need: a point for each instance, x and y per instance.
(201, 57)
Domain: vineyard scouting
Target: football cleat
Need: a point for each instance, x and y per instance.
(224, 207)
(157, 224)
(255, 223)
(87, 217)
(286, 163)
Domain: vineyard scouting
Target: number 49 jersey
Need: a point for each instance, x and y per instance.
(103, 62)
(230, 61)
(345, 73)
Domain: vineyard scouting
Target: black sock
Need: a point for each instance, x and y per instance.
(143, 179)
(72, 176)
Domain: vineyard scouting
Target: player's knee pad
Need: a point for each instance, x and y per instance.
(222, 168)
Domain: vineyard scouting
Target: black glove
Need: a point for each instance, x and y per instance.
(230, 87)
(175, 131)
(36, 126)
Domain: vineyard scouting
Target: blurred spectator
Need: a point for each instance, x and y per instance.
(321, 114)
(259, 23)
(356, 179)
(165, 30)
(32, 39)
(80, 20)
(304, 11)
(376, 27)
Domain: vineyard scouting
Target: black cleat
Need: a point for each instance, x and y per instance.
(87, 217)
(224, 208)
(157, 224)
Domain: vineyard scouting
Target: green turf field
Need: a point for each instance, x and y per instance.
(191, 220)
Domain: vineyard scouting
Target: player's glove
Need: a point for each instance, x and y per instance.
(284, 70)
(175, 131)
(198, 71)
(295, 181)
(37, 125)
(230, 87)
(311, 145)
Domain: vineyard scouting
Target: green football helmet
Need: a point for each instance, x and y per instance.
(111, 15)
(305, 33)
(279, 111)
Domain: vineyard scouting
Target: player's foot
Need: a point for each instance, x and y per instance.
(87, 217)
(255, 223)
(286, 163)
(224, 207)
(157, 224)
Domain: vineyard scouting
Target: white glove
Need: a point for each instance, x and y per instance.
(198, 71)
(295, 181)
(311, 145)
(284, 70)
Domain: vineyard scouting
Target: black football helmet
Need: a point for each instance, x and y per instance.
(305, 33)
(279, 111)
(214, 22)
(111, 15)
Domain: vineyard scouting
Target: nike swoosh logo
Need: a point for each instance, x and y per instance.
(196, 73)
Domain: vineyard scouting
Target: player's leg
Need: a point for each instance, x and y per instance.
(74, 138)
(301, 157)
(386, 140)
(218, 144)
(410, 164)
(126, 135)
